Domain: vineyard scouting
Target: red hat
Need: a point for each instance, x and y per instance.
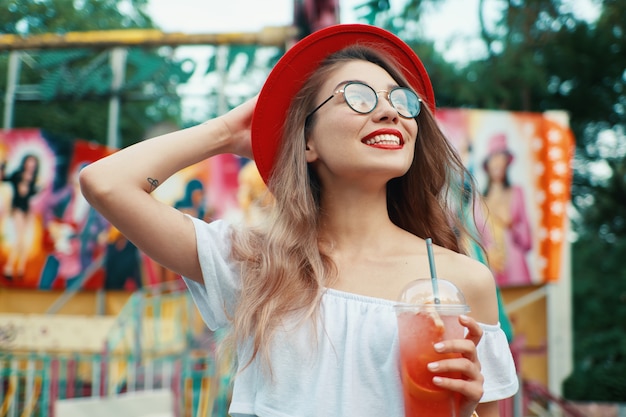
(298, 64)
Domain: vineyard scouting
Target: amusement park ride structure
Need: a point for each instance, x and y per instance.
(130, 352)
(117, 43)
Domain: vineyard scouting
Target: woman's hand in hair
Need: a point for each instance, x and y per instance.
(238, 122)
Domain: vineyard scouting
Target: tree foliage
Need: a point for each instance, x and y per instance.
(60, 16)
(539, 55)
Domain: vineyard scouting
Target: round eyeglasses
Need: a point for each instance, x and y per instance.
(363, 99)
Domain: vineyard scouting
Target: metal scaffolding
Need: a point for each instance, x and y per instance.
(117, 43)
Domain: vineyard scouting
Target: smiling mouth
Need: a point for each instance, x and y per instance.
(383, 140)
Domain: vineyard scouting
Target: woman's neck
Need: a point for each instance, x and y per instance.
(354, 218)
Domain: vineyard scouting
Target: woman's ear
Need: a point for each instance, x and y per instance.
(310, 153)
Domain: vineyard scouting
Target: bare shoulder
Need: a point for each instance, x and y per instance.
(474, 279)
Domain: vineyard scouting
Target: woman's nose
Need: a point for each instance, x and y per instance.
(384, 109)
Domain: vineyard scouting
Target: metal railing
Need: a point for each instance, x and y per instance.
(152, 346)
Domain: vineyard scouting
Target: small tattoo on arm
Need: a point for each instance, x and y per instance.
(153, 184)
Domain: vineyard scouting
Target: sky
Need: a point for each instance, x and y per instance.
(456, 19)
(453, 26)
(218, 16)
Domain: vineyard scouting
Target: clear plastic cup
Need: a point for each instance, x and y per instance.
(422, 322)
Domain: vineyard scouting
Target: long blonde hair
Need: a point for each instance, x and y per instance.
(284, 267)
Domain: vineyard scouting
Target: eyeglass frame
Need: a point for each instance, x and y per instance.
(343, 89)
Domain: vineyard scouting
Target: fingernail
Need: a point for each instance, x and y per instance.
(433, 366)
(438, 346)
(437, 380)
(464, 317)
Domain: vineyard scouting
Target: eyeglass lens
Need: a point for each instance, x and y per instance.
(363, 99)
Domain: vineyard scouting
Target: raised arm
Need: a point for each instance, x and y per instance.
(119, 185)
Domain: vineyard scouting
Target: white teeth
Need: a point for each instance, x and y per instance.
(383, 139)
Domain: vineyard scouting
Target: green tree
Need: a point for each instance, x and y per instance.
(540, 56)
(545, 58)
(66, 92)
(594, 84)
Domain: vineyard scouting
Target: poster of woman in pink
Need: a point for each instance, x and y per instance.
(521, 164)
(507, 238)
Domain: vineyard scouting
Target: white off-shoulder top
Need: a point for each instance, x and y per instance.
(348, 365)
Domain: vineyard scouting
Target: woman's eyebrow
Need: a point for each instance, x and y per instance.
(341, 83)
(346, 82)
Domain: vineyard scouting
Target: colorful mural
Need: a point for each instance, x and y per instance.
(50, 238)
(521, 162)
(207, 190)
(48, 232)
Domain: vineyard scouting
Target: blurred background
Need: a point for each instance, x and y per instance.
(89, 324)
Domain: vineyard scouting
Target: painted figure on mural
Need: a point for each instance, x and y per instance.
(508, 237)
(77, 233)
(193, 201)
(24, 186)
(121, 267)
(5, 193)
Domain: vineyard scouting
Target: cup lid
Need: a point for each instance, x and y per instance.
(420, 292)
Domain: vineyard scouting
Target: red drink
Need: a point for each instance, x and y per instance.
(419, 328)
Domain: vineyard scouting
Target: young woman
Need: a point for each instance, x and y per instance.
(343, 134)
